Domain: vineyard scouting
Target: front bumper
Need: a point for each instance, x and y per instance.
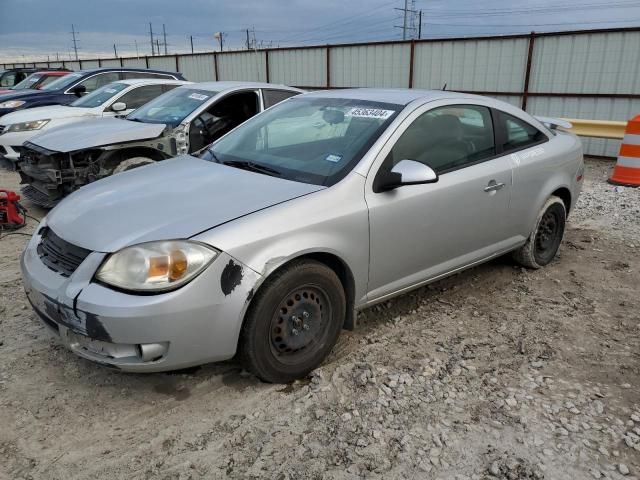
(193, 325)
(10, 144)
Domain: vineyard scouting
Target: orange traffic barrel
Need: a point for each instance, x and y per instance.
(627, 169)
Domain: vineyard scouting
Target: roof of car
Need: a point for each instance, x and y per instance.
(152, 81)
(124, 69)
(398, 96)
(229, 85)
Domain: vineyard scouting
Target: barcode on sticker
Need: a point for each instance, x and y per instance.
(198, 96)
(370, 113)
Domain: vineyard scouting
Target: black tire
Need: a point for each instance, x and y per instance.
(281, 340)
(131, 163)
(543, 243)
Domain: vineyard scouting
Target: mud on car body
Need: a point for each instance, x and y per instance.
(181, 121)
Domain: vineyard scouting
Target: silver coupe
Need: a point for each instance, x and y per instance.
(267, 243)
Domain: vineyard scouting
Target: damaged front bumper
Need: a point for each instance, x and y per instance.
(196, 324)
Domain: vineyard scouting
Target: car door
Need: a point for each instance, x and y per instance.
(420, 232)
(221, 117)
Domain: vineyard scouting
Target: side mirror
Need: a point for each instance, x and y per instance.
(119, 107)
(79, 90)
(405, 172)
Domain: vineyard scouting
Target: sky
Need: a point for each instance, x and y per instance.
(32, 30)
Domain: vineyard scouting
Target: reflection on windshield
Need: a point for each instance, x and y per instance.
(310, 140)
(100, 96)
(63, 82)
(172, 107)
(27, 82)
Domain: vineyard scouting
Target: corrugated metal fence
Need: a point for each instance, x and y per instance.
(591, 74)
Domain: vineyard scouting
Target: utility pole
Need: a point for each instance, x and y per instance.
(75, 42)
(248, 43)
(137, 54)
(408, 19)
(220, 37)
(158, 46)
(151, 35)
(191, 38)
(420, 25)
(164, 35)
(115, 52)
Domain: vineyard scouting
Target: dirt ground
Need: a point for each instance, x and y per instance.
(498, 372)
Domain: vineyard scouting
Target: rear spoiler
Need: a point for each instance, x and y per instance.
(554, 123)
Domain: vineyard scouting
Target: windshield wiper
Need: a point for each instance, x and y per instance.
(253, 167)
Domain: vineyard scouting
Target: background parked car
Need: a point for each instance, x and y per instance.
(13, 76)
(37, 80)
(66, 89)
(117, 98)
(181, 121)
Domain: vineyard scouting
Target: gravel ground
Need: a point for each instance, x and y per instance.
(495, 373)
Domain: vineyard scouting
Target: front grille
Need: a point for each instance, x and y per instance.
(37, 197)
(59, 255)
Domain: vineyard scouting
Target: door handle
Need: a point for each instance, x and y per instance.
(493, 186)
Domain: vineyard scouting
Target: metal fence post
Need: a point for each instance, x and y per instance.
(177, 64)
(266, 64)
(527, 73)
(328, 67)
(215, 65)
(411, 53)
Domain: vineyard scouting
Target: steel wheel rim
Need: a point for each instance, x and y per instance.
(300, 324)
(547, 235)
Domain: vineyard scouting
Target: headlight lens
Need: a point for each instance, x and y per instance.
(156, 266)
(12, 104)
(180, 134)
(25, 126)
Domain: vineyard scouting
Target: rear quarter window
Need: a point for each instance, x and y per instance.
(518, 134)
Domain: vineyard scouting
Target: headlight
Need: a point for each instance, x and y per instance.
(156, 266)
(25, 126)
(12, 104)
(180, 134)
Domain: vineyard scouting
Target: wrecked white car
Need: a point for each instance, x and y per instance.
(184, 120)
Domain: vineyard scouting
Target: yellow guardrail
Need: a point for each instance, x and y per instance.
(596, 128)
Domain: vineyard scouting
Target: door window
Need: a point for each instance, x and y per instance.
(271, 97)
(447, 138)
(100, 80)
(8, 79)
(141, 95)
(518, 134)
(222, 117)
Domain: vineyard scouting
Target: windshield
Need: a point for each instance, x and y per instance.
(172, 107)
(310, 140)
(63, 82)
(100, 96)
(28, 82)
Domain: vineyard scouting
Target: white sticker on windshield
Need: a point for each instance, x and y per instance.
(110, 90)
(198, 96)
(333, 158)
(370, 113)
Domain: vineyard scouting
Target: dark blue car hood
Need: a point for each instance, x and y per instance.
(26, 93)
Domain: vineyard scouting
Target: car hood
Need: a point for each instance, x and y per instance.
(40, 113)
(20, 94)
(172, 199)
(96, 133)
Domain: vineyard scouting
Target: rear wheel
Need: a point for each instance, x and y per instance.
(543, 243)
(131, 163)
(293, 323)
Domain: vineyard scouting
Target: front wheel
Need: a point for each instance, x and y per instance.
(543, 243)
(293, 323)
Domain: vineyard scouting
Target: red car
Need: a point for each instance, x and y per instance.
(37, 80)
